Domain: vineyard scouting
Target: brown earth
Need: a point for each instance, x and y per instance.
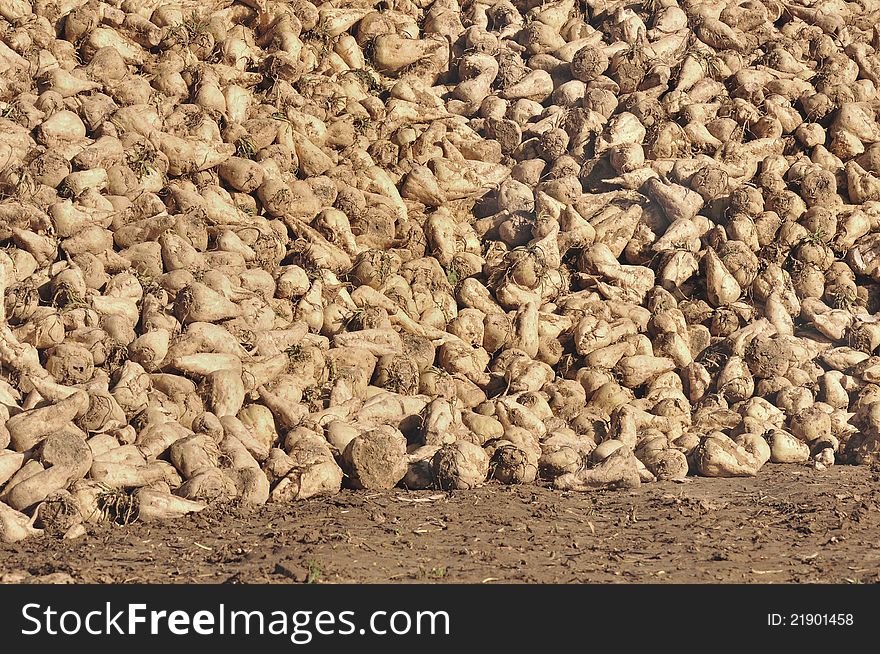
(790, 524)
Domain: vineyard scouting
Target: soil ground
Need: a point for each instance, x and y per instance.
(791, 524)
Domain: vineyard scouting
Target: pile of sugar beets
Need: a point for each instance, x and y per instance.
(258, 250)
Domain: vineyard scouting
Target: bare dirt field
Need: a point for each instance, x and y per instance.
(791, 524)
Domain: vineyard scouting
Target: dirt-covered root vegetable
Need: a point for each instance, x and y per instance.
(441, 423)
(721, 286)
(200, 303)
(718, 456)
(209, 485)
(76, 530)
(122, 474)
(563, 453)
(810, 424)
(754, 444)
(10, 463)
(194, 454)
(252, 485)
(824, 454)
(461, 465)
(64, 458)
(158, 435)
(589, 63)
(513, 461)
(634, 371)
(152, 504)
(379, 342)
(785, 448)
(863, 447)
(661, 460)
(420, 467)
(313, 471)
(676, 201)
(376, 459)
(226, 392)
(619, 470)
(28, 428)
(15, 526)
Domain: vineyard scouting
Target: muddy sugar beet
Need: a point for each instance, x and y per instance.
(265, 253)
